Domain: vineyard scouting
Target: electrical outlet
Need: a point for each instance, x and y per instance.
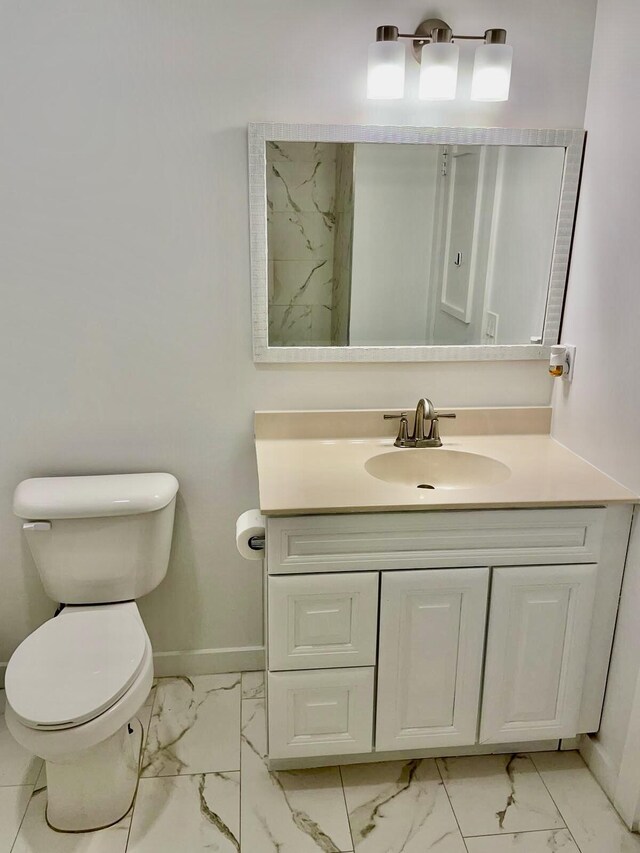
(491, 325)
(570, 361)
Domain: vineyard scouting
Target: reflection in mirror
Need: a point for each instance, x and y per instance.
(380, 244)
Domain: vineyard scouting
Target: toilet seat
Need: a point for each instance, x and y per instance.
(76, 666)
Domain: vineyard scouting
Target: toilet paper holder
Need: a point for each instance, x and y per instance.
(251, 534)
(256, 543)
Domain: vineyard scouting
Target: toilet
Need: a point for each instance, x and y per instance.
(75, 685)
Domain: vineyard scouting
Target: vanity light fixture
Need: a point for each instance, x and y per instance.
(438, 55)
(385, 73)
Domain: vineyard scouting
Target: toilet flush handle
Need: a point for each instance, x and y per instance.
(36, 525)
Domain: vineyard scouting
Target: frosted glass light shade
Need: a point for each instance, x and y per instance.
(385, 74)
(439, 71)
(492, 72)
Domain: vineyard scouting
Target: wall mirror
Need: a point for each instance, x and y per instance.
(373, 243)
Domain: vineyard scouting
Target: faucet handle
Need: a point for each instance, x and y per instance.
(402, 439)
(434, 432)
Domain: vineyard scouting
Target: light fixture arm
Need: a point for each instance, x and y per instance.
(437, 31)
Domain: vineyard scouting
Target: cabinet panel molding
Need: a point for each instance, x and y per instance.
(539, 624)
(436, 539)
(323, 620)
(432, 626)
(320, 712)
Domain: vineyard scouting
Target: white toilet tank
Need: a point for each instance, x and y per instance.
(98, 539)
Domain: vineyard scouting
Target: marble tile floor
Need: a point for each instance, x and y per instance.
(205, 787)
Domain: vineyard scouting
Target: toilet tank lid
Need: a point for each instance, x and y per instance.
(93, 496)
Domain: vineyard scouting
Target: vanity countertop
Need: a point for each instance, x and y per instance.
(313, 463)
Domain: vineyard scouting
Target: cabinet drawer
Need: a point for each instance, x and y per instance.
(319, 621)
(320, 712)
(435, 539)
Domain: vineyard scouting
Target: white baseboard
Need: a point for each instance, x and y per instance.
(600, 765)
(208, 661)
(199, 661)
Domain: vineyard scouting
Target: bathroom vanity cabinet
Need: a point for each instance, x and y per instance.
(439, 632)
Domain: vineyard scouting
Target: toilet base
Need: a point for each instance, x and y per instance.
(95, 788)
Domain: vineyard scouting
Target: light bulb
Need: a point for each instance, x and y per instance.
(439, 71)
(492, 72)
(385, 74)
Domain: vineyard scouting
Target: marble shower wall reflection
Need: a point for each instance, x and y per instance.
(309, 188)
(343, 245)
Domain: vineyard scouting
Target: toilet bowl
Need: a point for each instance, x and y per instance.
(72, 689)
(75, 685)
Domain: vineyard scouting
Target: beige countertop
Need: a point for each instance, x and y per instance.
(314, 462)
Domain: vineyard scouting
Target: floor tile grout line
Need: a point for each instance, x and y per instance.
(133, 808)
(240, 771)
(192, 773)
(145, 735)
(520, 832)
(244, 699)
(566, 823)
(346, 807)
(453, 811)
(33, 787)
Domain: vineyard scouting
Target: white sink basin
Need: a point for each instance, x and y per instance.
(435, 468)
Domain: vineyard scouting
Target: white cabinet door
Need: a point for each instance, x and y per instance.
(537, 643)
(320, 712)
(323, 620)
(432, 627)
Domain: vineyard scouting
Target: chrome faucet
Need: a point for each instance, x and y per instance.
(424, 412)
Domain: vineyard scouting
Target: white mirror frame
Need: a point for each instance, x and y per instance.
(259, 134)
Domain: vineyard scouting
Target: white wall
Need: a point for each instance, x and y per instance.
(393, 218)
(124, 255)
(598, 416)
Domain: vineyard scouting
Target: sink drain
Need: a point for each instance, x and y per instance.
(425, 486)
